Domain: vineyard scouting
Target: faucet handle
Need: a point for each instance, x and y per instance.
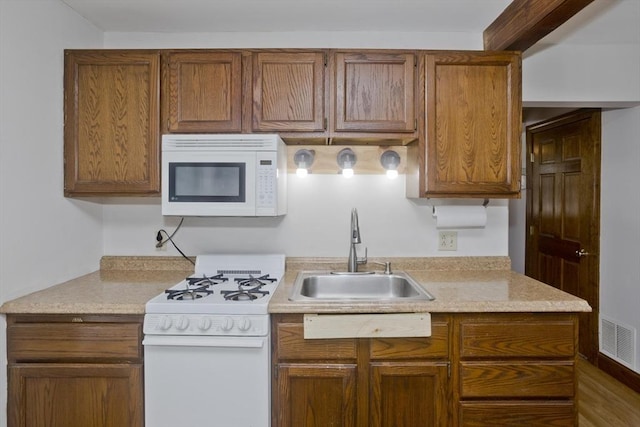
(362, 261)
(386, 265)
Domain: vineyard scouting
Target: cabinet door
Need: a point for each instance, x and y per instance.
(408, 394)
(111, 134)
(473, 120)
(65, 395)
(312, 395)
(204, 91)
(288, 92)
(375, 92)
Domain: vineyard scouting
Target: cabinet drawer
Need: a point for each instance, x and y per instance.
(517, 379)
(525, 338)
(435, 346)
(74, 341)
(532, 414)
(292, 345)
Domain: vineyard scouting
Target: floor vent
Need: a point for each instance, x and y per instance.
(618, 341)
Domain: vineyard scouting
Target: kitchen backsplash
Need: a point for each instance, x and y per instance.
(317, 224)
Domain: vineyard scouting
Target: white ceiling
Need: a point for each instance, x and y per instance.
(607, 21)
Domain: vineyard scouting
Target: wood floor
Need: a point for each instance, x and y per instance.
(605, 402)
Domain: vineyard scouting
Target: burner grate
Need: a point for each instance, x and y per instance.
(189, 293)
(244, 294)
(206, 280)
(252, 282)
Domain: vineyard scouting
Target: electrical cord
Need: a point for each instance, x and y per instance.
(169, 238)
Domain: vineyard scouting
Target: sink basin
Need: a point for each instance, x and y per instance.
(357, 286)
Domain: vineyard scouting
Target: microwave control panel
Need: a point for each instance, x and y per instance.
(266, 188)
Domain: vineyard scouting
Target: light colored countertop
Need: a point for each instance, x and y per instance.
(463, 291)
(474, 284)
(121, 286)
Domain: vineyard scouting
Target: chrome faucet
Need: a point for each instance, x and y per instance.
(352, 264)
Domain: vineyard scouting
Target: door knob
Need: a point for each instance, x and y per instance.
(582, 253)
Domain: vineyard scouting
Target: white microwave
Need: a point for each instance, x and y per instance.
(224, 175)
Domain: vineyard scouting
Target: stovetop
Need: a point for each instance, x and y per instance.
(223, 284)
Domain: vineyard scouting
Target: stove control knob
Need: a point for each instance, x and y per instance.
(165, 323)
(204, 324)
(227, 324)
(183, 323)
(245, 324)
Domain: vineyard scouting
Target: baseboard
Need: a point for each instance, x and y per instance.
(620, 372)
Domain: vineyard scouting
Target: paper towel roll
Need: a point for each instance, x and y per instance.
(460, 216)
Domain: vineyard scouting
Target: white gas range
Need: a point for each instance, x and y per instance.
(207, 344)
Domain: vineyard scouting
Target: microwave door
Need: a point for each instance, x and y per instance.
(218, 185)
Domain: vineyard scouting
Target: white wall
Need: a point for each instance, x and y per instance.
(62, 237)
(593, 60)
(586, 75)
(44, 238)
(311, 39)
(317, 224)
(620, 219)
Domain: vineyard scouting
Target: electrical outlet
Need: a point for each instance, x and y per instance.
(159, 247)
(448, 241)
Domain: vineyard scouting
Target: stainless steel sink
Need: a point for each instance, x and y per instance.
(357, 286)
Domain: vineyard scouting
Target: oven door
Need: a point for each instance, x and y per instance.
(208, 183)
(202, 381)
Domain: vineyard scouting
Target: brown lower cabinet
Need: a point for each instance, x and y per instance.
(359, 382)
(498, 369)
(75, 371)
(494, 369)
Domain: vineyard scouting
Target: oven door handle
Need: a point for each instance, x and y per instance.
(203, 341)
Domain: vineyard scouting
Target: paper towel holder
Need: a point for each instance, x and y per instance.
(485, 203)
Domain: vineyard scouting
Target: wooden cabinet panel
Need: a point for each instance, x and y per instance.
(291, 345)
(525, 359)
(375, 92)
(111, 130)
(518, 369)
(517, 379)
(61, 395)
(289, 91)
(316, 395)
(532, 339)
(401, 381)
(473, 120)
(74, 370)
(518, 413)
(459, 112)
(434, 347)
(203, 91)
(408, 394)
(74, 341)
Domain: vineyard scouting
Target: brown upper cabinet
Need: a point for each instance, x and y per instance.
(111, 129)
(203, 91)
(459, 112)
(289, 92)
(473, 115)
(368, 97)
(374, 95)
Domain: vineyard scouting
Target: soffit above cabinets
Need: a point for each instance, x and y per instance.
(603, 21)
(471, 16)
